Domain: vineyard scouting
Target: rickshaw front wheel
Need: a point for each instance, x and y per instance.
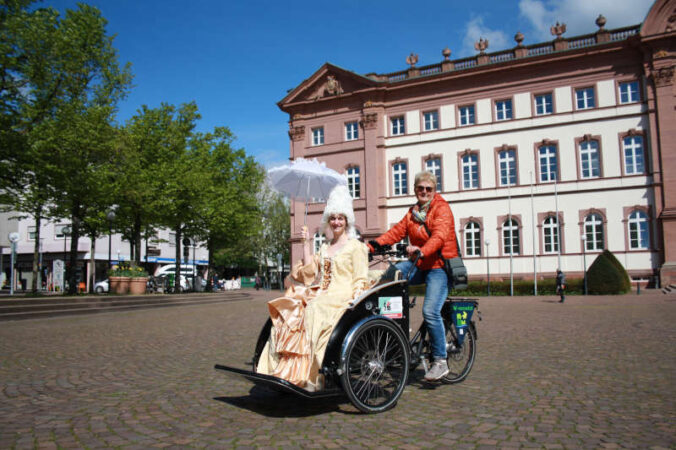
(375, 370)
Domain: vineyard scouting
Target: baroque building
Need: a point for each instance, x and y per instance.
(547, 153)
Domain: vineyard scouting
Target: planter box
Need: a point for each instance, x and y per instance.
(137, 286)
(119, 285)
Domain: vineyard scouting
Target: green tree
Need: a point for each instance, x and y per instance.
(276, 232)
(607, 276)
(60, 81)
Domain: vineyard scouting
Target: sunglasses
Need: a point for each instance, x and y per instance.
(424, 188)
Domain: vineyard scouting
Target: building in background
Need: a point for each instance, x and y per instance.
(547, 153)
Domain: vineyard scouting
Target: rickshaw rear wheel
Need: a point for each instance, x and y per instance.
(376, 366)
(460, 359)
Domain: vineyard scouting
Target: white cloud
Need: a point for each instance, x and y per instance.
(579, 15)
(475, 29)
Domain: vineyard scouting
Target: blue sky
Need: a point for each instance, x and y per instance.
(237, 59)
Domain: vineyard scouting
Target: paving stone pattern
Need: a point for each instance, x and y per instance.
(595, 372)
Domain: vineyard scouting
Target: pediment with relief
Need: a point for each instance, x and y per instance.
(329, 81)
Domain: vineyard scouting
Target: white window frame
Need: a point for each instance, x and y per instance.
(472, 239)
(400, 178)
(510, 232)
(431, 120)
(398, 126)
(433, 165)
(550, 235)
(507, 163)
(548, 163)
(318, 136)
(639, 232)
(584, 98)
(353, 180)
(351, 131)
(318, 240)
(632, 150)
(503, 110)
(32, 233)
(593, 230)
(545, 103)
(467, 115)
(57, 230)
(470, 168)
(590, 159)
(629, 92)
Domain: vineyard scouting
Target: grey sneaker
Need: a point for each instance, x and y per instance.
(438, 370)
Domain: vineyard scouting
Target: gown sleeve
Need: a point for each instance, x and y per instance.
(307, 273)
(360, 268)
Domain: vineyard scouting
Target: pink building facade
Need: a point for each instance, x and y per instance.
(547, 153)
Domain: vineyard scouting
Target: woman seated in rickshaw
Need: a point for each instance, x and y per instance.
(303, 319)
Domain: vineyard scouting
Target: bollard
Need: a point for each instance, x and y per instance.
(638, 287)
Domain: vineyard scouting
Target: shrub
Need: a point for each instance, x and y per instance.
(606, 276)
(574, 286)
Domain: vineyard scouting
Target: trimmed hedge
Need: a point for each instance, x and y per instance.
(500, 288)
(607, 276)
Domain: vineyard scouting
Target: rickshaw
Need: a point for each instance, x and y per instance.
(370, 354)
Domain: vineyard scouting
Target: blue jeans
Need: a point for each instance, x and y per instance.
(435, 296)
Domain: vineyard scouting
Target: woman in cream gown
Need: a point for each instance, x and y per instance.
(303, 319)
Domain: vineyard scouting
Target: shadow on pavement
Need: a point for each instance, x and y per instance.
(277, 404)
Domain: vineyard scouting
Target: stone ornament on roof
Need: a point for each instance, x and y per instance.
(330, 87)
(558, 29)
(518, 37)
(481, 45)
(446, 53)
(601, 22)
(412, 59)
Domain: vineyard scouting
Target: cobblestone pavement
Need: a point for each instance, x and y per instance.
(593, 372)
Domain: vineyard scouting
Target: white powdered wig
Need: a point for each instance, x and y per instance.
(340, 202)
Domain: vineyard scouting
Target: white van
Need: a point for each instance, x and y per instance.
(187, 270)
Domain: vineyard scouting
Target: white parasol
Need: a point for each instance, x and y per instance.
(305, 179)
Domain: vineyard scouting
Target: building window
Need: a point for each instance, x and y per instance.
(507, 161)
(589, 159)
(548, 163)
(593, 230)
(584, 98)
(431, 120)
(399, 178)
(318, 240)
(353, 181)
(510, 237)
(318, 136)
(351, 131)
(633, 155)
(629, 92)
(543, 104)
(398, 127)
(172, 239)
(470, 171)
(433, 165)
(551, 235)
(472, 239)
(467, 115)
(638, 230)
(32, 233)
(503, 110)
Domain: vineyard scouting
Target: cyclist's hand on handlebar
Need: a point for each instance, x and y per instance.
(413, 251)
(374, 246)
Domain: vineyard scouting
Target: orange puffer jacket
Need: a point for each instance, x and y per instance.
(442, 226)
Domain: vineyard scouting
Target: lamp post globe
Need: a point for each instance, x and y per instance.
(111, 217)
(584, 260)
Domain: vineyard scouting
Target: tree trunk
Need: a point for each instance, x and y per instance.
(210, 258)
(177, 267)
(36, 253)
(92, 264)
(137, 239)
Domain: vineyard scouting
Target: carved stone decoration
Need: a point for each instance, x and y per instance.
(330, 87)
(297, 133)
(558, 29)
(412, 59)
(481, 45)
(368, 104)
(446, 53)
(601, 22)
(664, 76)
(369, 121)
(518, 37)
(587, 137)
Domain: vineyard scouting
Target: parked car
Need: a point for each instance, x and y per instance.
(101, 286)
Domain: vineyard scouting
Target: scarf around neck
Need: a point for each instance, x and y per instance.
(421, 213)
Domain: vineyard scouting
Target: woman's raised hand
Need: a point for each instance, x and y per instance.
(304, 234)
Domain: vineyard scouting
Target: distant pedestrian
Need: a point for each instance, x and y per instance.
(258, 282)
(561, 284)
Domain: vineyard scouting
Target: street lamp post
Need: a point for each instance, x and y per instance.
(110, 216)
(66, 232)
(584, 260)
(488, 269)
